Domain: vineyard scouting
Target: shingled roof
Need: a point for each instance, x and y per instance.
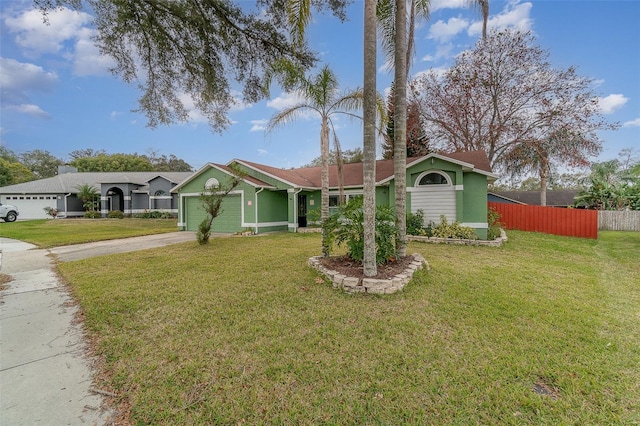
(309, 177)
(69, 182)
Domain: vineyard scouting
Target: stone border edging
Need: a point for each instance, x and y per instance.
(434, 240)
(371, 285)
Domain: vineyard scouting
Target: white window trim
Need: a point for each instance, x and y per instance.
(439, 172)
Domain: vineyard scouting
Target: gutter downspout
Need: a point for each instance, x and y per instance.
(256, 201)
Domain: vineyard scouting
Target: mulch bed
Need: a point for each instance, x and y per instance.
(352, 268)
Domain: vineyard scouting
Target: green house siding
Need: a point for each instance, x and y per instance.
(227, 221)
(475, 202)
(272, 211)
(277, 206)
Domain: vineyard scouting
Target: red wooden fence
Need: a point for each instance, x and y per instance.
(549, 220)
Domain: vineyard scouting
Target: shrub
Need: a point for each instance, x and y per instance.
(313, 218)
(204, 232)
(415, 223)
(347, 227)
(115, 214)
(92, 214)
(493, 218)
(50, 211)
(153, 215)
(454, 230)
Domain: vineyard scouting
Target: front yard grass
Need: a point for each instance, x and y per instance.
(543, 330)
(60, 232)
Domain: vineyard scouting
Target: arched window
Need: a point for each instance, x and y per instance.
(160, 193)
(211, 183)
(433, 178)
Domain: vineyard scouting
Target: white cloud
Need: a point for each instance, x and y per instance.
(262, 152)
(611, 103)
(445, 31)
(515, 15)
(632, 123)
(447, 4)
(67, 34)
(195, 116)
(285, 100)
(114, 115)
(88, 59)
(428, 58)
(258, 125)
(36, 36)
(18, 78)
(30, 109)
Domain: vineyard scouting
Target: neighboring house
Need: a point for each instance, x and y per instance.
(555, 198)
(129, 192)
(271, 199)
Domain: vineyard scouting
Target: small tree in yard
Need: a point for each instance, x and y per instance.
(89, 196)
(212, 198)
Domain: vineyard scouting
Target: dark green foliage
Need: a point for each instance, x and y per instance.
(89, 195)
(92, 214)
(153, 215)
(493, 219)
(346, 227)
(202, 48)
(453, 230)
(41, 163)
(115, 214)
(204, 232)
(415, 223)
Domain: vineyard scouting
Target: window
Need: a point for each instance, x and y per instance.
(333, 200)
(160, 193)
(433, 179)
(211, 183)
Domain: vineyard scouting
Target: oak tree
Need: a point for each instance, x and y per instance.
(505, 98)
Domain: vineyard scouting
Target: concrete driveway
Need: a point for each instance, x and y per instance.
(45, 374)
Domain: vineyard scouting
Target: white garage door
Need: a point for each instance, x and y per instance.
(434, 202)
(31, 206)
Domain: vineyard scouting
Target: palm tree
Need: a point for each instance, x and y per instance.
(370, 267)
(320, 95)
(398, 42)
(89, 196)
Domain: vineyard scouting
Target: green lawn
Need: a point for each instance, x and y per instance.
(61, 232)
(544, 330)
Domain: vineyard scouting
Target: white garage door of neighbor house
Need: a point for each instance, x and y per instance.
(31, 206)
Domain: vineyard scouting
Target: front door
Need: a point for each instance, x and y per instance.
(302, 211)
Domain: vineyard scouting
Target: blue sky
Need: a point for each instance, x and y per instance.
(57, 94)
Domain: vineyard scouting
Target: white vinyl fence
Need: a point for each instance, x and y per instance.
(618, 221)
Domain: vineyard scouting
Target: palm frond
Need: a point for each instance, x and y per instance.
(299, 15)
(288, 115)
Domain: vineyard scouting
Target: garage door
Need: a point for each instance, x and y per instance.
(31, 206)
(227, 221)
(434, 202)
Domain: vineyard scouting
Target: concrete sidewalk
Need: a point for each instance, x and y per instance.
(45, 376)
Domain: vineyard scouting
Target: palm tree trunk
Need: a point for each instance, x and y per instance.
(369, 139)
(400, 127)
(324, 177)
